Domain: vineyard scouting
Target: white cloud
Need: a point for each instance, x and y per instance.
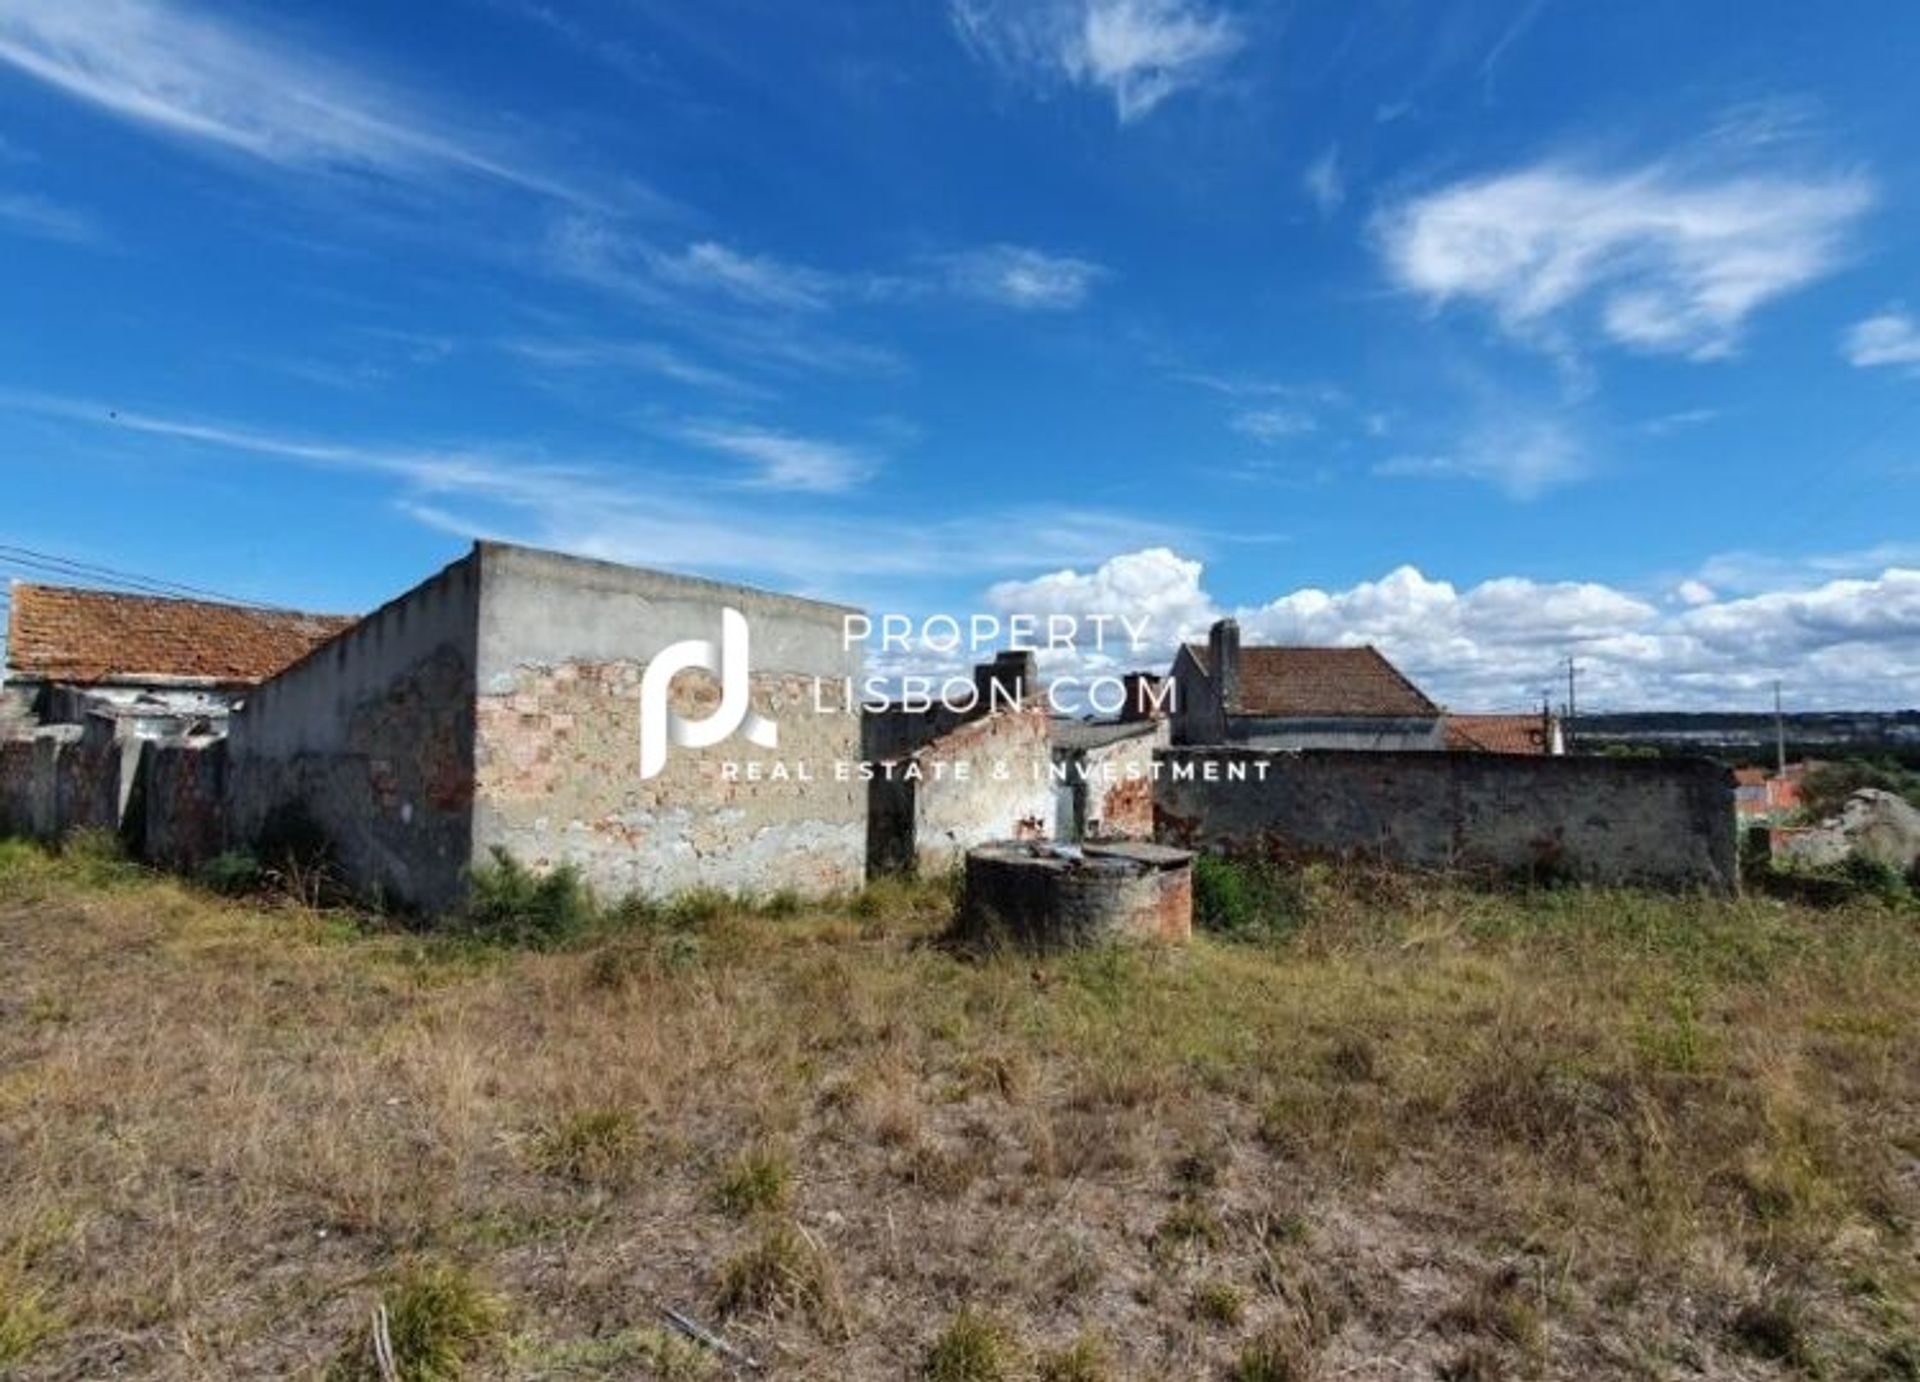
(1660, 261)
(1018, 277)
(1891, 338)
(786, 461)
(636, 356)
(179, 71)
(1138, 51)
(758, 279)
(1499, 644)
(35, 215)
(1323, 181)
(1694, 592)
(1522, 458)
(1269, 425)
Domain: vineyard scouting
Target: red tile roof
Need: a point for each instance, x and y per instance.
(1497, 734)
(56, 633)
(1323, 681)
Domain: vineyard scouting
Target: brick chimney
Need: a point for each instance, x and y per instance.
(1223, 662)
(1145, 699)
(1014, 676)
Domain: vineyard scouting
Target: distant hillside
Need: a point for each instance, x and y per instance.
(1734, 735)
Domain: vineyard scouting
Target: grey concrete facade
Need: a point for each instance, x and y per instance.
(369, 738)
(1660, 822)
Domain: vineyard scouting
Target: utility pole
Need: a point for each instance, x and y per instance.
(1572, 704)
(1779, 732)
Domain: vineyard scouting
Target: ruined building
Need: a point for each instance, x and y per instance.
(1297, 698)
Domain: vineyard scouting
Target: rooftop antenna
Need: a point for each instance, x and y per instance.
(1779, 732)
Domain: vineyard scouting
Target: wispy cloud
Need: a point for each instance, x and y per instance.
(1140, 52)
(1524, 458)
(1661, 260)
(655, 516)
(785, 461)
(49, 220)
(1325, 185)
(627, 357)
(1269, 425)
(1890, 338)
(757, 279)
(1019, 277)
(179, 71)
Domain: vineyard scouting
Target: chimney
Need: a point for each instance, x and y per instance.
(1145, 700)
(1003, 683)
(1223, 662)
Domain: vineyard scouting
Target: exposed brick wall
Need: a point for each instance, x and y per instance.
(557, 779)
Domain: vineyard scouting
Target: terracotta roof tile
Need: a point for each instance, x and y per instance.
(1323, 681)
(57, 633)
(1497, 733)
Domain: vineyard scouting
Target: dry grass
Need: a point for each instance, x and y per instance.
(1429, 1132)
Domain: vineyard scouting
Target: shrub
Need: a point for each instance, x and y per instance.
(589, 1145)
(1284, 1353)
(1084, 1360)
(1219, 1302)
(438, 1319)
(1245, 899)
(25, 1321)
(759, 1178)
(972, 1348)
(234, 873)
(782, 1273)
(507, 901)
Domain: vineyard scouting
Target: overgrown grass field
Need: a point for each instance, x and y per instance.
(1404, 1130)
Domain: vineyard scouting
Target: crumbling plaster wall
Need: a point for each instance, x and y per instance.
(562, 647)
(178, 816)
(1119, 786)
(1665, 822)
(986, 780)
(370, 738)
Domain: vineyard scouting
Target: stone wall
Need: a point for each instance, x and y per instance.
(1664, 822)
(369, 741)
(986, 780)
(178, 817)
(562, 647)
(61, 778)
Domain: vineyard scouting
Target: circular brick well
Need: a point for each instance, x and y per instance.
(1054, 896)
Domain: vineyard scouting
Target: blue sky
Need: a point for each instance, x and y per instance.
(1490, 333)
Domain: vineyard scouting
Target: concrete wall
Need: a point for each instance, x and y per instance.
(1374, 733)
(562, 645)
(1666, 822)
(370, 737)
(986, 780)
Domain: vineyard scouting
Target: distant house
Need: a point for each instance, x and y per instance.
(71, 652)
(1759, 796)
(1538, 734)
(1297, 697)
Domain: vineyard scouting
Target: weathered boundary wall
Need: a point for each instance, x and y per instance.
(563, 644)
(369, 739)
(61, 778)
(1664, 822)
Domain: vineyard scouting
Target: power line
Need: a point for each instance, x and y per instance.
(30, 559)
